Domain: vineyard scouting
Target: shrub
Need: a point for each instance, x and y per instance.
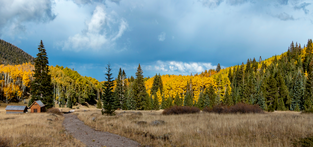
(54, 111)
(180, 110)
(308, 111)
(4, 142)
(238, 108)
(304, 142)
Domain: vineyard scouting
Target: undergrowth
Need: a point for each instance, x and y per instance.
(180, 110)
(238, 108)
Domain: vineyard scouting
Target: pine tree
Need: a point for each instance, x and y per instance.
(297, 92)
(139, 89)
(283, 98)
(156, 105)
(169, 102)
(218, 67)
(308, 97)
(177, 100)
(164, 103)
(148, 104)
(108, 95)
(41, 87)
(200, 102)
(227, 98)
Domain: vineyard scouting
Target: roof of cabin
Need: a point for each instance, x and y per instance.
(39, 102)
(12, 107)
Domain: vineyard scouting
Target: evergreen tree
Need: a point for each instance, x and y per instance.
(297, 92)
(200, 102)
(164, 103)
(218, 67)
(188, 100)
(308, 97)
(62, 102)
(139, 88)
(212, 96)
(177, 100)
(156, 105)
(284, 99)
(108, 95)
(227, 98)
(41, 87)
(169, 102)
(148, 105)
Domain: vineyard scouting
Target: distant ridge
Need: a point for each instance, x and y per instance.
(10, 54)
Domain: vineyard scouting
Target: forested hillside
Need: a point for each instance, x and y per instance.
(10, 54)
(282, 82)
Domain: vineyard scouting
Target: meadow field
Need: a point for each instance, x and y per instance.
(34, 129)
(275, 129)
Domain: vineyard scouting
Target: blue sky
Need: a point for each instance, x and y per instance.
(164, 36)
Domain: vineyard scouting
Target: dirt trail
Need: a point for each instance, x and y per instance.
(93, 138)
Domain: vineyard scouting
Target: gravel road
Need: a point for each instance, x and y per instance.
(93, 138)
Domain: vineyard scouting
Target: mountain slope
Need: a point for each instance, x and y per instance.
(10, 54)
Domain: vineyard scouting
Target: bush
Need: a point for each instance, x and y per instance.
(54, 111)
(180, 110)
(238, 108)
(304, 142)
(4, 142)
(308, 111)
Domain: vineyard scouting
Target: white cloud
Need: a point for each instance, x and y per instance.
(15, 13)
(99, 32)
(179, 67)
(162, 36)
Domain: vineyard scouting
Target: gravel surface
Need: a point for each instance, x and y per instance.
(93, 138)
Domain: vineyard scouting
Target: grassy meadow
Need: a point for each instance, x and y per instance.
(205, 129)
(34, 129)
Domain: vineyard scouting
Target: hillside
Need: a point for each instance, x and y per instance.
(10, 54)
(282, 82)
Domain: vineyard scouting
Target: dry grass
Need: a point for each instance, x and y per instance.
(30, 129)
(205, 129)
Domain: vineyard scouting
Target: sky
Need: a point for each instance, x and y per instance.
(163, 36)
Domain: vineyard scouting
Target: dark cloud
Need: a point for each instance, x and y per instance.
(14, 14)
(302, 6)
(284, 16)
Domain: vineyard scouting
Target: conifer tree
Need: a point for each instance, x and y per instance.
(177, 100)
(156, 105)
(164, 103)
(297, 92)
(169, 102)
(308, 95)
(218, 67)
(148, 104)
(41, 87)
(284, 99)
(200, 102)
(227, 98)
(109, 102)
(139, 88)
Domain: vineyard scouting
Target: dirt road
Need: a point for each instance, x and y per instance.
(93, 138)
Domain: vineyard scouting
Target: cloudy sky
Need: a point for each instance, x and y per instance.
(164, 36)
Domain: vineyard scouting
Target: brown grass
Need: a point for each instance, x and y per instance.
(206, 129)
(35, 129)
(180, 110)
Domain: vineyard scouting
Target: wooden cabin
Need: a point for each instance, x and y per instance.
(10, 109)
(37, 107)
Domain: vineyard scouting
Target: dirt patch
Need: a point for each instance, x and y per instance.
(94, 138)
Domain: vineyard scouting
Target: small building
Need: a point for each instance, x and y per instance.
(15, 109)
(37, 107)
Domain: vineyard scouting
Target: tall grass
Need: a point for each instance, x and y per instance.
(35, 130)
(207, 129)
